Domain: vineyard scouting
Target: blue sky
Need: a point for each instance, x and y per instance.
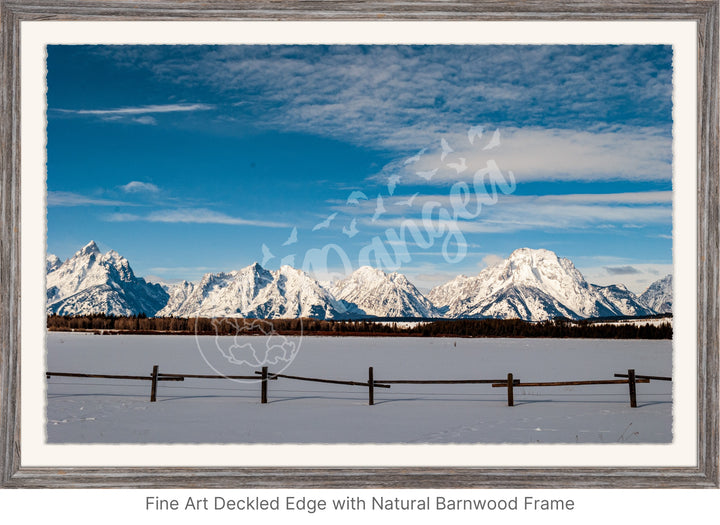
(196, 159)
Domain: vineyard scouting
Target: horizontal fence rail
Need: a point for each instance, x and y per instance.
(154, 377)
(263, 376)
(210, 376)
(370, 385)
(321, 380)
(572, 383)
(651, 378)
(113, 376)
(631, 381)
(443, 381)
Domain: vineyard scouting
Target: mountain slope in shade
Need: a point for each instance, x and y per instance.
(178, 293)
(533, 285)
(256, 293)
(91, 282)
(621, 301)
(659, 295)
(380, 294)
(52, 263)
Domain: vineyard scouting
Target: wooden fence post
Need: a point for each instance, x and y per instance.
(371, 387)
(263, 388)
(511, 401)
(631, 384)
(153, 388)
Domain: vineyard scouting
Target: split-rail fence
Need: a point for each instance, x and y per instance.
(264, 376)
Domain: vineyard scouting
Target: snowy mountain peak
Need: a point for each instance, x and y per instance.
(52, 263)
(368, 273)
(533, 285)
(541, 269)
(285, 268)
(90, 282)
(256, 293)
(532, 254)
(534, 257)
(369, 270)
(659, 295)
(89, 249)
(254, 267)
(377, 293)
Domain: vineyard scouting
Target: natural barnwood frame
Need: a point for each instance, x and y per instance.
(703, 12)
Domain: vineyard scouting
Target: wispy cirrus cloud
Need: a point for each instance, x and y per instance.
(400, 97)
(139, 110)
(192, 216)
(67, 198)
(636, 197)
(513, 213)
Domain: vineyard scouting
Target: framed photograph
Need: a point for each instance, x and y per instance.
(401, 246)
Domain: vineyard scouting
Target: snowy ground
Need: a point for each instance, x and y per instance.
(656, 321)
(224, 411)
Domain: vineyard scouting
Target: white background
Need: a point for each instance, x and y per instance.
(591, 506)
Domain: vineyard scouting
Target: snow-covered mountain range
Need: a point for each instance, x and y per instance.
(91, 282)
(533, 285)
(659, 295)
(253, 292)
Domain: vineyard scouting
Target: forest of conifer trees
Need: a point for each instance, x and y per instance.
(557, 328)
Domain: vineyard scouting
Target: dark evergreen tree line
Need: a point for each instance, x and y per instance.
(558, 328)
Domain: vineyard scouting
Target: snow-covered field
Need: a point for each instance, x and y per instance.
(658, 321)
(225, 411)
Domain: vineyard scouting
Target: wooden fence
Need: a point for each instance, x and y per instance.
(510, 383)
(631, 381)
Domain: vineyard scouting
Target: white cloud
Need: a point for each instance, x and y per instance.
(492, 259)
(533, 154)
(66, 198)
(638, 197)
(527, 212)
(140, 110)
(146, 119)
(137, 187)
(192, 216)
(123, 217)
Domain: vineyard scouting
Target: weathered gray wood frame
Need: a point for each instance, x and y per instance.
(703, 12)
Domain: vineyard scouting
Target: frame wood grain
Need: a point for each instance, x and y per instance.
(705, 474)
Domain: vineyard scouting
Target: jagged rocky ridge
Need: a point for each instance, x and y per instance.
(533, 285)
(253, 292)
(372, 292)
(91, 282)
(659, 295)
